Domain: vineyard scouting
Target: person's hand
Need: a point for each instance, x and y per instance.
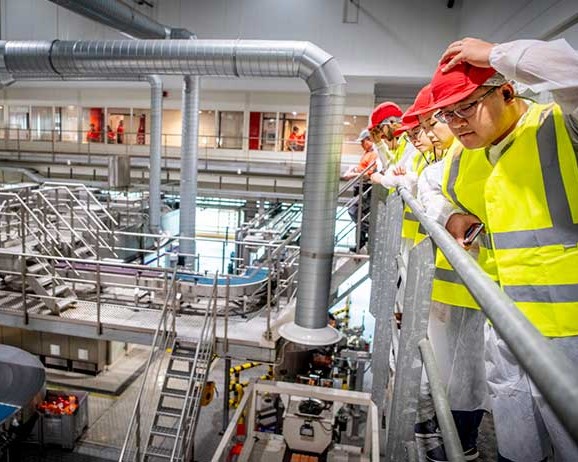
(376, 178)
(467, 50)
(375, 134)
(399, 170)
(458, 224)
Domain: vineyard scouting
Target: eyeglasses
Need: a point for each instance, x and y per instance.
(414, 133)
(462, 112)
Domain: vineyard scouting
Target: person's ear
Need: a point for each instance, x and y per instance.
(508, 93)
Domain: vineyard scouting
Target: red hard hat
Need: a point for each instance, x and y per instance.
(423, 103)
(408, 121)
(382, 112)
(458, 83)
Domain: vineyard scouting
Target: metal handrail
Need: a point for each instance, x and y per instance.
(190, 410)
(549, 369)
(170, 295)
(88, 192)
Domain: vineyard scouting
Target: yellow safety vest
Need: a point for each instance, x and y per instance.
(410, 224)
(529, 204)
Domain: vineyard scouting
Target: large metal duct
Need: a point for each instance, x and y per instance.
(243, 58)
(118, 15)
(189, 158)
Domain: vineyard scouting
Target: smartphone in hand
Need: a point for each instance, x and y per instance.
(472, 232)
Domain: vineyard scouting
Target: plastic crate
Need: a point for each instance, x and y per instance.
(64, 430)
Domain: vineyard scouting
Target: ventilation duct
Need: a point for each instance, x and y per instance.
(243, 58)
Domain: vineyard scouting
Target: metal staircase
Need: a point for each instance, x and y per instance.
(168, 434)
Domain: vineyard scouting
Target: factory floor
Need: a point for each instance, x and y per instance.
(109, 415)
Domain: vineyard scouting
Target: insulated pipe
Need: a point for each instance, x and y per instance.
(119, 16)
(189, 157)
(155, 153)
(242, 58)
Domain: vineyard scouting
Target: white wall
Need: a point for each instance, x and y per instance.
(500, 20)
(392, 39)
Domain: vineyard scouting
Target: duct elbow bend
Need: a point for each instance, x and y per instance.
(321, 72)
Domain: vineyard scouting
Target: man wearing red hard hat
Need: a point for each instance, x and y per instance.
(518, 174)
(383, 122)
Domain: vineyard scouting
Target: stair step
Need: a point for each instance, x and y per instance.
(59, 290)
(173, 392)
(37, 268)
(160, 430)
(178, 374)
(65, 303)
(180, 356)
(163, 453)
(169, 411)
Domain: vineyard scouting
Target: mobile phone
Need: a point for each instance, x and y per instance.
(472, 232)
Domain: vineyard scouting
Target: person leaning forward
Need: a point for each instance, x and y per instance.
(518, 174)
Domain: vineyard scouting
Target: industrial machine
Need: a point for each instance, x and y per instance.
(22, 388)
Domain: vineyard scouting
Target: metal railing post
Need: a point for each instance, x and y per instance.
(417, 300)
(383, 269)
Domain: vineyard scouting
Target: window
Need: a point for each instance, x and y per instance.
(207, 132)
(352, 127)
(41, 123)
(92, 125)
(294, 126)
(19, 122)
(270, 132)
(230, 130)
(66, 123)
(122, 131)
(141, 124)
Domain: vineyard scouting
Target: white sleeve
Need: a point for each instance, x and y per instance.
(429, 193)
(542, 66)
(384, 153)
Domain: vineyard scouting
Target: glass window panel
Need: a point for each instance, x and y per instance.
(19, 122)
(269, 132)
(123, 128)
(66, 123)
(141, 123)
(294, 126)
(207, 129)
(352, 127)
(93, 125)
(41, 123)
(230, 130)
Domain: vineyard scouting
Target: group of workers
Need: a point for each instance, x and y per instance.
(93, 135)
(487, 162)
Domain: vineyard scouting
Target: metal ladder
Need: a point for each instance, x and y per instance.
(174, 423)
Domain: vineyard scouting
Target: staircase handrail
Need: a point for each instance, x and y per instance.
(189, 410)
(88, 192)
(169, 299)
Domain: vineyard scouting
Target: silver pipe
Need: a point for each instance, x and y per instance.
(550, 370)
(119, 16)
(156, 84)
(450, 436)
(189, 157)
(242, 58)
